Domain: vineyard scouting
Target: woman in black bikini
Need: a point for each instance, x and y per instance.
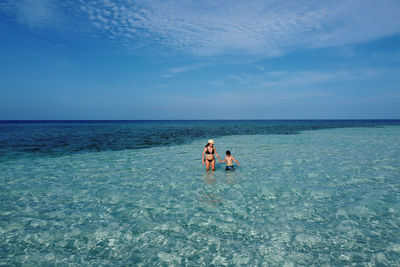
(209, 150)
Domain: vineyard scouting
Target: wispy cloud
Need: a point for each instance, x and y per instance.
(33, 13)
(248, 91)
(267, 28)
(293, 81)
(182, 69)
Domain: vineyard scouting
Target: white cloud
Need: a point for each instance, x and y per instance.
(267, 28)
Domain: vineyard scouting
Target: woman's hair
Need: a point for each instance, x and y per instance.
(208, 144)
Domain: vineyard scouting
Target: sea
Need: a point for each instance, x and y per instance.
(135, 193)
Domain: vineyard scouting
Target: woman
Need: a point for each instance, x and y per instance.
(210, 150)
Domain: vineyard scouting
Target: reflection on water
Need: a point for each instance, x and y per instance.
(207, 196)
(210, 199)
(209, 178)
(229, 177)
(214, 183)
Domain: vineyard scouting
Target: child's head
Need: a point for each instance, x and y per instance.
(228, 153)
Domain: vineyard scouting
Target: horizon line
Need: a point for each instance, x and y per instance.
(149, 120)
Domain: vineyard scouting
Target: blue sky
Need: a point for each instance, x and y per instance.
(199, 59)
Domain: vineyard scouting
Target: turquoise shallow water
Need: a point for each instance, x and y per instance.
(319, 197)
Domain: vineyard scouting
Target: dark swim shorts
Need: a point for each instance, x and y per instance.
(229, 168)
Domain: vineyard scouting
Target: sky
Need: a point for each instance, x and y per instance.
(167, 59)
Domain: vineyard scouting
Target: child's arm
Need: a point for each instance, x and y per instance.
(222, 161)
(237, 162)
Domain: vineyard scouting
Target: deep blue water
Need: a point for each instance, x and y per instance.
(35, 138)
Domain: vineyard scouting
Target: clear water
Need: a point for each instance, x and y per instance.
(321, 197)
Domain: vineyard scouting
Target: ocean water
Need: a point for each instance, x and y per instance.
(127, 194)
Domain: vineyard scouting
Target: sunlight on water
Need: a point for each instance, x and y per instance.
(320, 197)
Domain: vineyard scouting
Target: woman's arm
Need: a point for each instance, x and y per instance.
(202, 156)
(217, 154)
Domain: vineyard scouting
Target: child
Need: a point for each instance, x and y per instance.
(229, 161)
